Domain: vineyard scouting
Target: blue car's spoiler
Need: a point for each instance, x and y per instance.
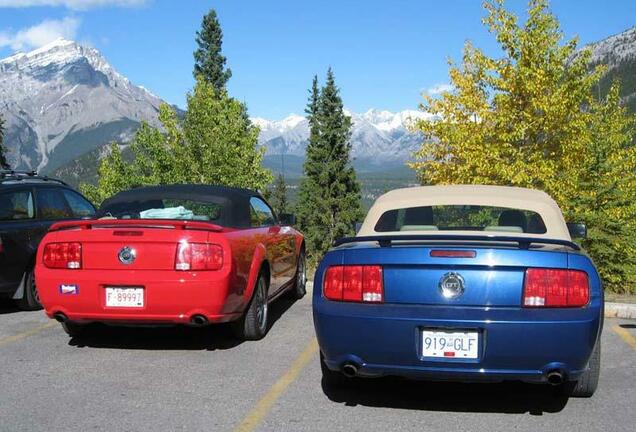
(523, 242)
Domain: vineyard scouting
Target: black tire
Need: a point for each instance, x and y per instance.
(300, 284)
(332, 379)
(588, 381)
(254, 323)
(30, 300)
(74, 329)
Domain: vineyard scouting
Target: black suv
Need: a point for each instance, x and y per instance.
(29, 204)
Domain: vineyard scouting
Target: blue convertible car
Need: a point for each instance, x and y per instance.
(462, 283)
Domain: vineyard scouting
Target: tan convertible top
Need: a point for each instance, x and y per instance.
(494, 196)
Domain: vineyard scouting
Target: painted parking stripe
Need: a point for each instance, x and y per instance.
(260, 411)
(26, 334)
(625, 335)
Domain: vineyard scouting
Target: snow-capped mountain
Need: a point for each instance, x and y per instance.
(63, 100)
(380, 136)
(618, 53)
(615, 49)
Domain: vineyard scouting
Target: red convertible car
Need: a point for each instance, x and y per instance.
(182, 254)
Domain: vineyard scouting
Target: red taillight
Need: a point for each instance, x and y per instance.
(63, 255)
(556, 288)
(198, 256)
(354, 284)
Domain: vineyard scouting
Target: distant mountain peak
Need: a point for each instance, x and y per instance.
(55, 94)
(378, 135)
(614, 49)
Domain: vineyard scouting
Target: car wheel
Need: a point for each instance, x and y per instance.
(30, 300)
(74, 329)
(254, 323)
(300, 285)
(332, 379)
(588, 381)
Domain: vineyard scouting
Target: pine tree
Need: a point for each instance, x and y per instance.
(329, 196)
(605, 200)
(278, 195)
(3, 160)
(209, 62)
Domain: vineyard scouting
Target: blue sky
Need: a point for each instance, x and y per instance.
(384, 53)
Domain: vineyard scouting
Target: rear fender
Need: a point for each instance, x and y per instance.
(255, 269)
(300, 244)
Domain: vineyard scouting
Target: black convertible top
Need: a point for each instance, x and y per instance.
(235, 202)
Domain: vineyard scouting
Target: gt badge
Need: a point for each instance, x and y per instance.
(69, 289)
(127, 255)
(451, 285)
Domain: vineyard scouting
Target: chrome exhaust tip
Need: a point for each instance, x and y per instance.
(349, 370)
(198, 320)
(555, 378)
(60, 317)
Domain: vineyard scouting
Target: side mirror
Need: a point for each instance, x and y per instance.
(357, 227)
(287, 219)
(577, 230)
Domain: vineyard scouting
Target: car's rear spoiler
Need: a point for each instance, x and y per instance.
(135, 223)
(523, 242)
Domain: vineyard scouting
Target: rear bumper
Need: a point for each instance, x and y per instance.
(169, 296)
(514, 344)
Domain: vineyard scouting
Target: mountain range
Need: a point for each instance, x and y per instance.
(63, 102)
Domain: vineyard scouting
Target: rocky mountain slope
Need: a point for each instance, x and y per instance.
(63, 100)
(618, 53)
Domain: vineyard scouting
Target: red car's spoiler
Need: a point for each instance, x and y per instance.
(135, 223)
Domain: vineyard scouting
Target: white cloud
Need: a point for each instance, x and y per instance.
(71, 4)
(437, 89)
(40, 34)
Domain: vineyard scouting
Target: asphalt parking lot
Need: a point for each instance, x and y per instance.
(173, 379)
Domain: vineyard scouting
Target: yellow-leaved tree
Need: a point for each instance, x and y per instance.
(529, 118)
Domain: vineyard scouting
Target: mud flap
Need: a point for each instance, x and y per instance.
(19, 293)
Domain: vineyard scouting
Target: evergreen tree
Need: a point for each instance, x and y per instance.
(209, 62)
(213, 144)
(3, 160)
(605, 198)
(329, 196)
(278, 195)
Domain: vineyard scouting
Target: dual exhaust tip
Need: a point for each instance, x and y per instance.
(555, 377)
(196, 320)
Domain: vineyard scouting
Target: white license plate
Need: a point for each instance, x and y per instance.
(450, 344)
(124, 297)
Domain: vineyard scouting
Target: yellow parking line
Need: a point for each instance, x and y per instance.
(625, 335)
(26, 334)
(260, 411)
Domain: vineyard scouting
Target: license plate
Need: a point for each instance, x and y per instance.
(450, 344)
(124, 297)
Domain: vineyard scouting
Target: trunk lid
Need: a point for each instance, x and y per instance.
(134, 244)
(493, 277)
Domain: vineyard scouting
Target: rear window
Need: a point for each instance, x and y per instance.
(461, 218)
(169, 208)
